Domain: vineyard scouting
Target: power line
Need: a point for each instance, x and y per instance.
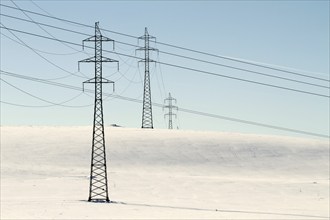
(177, 47)
(181, 56)
(41, 56)
(68, 21)
(26, 14)
(194, 112)
(43, 24)
(43, 106)
(162, 78)
(246, 70)
(186, 68)
(45, 37)
(245, 80)
(252, 123)
(40, 8)
(41, 51)
(25, 106)
(44, 100)
(245, 62)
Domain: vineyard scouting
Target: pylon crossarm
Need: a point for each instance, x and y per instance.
(92, 80)
(103, 38)
(104, 80)
(87, 81)
(170, 99)
(87, 60)
(154, 49)
(92, 38)
(106, 59)
(141, 48)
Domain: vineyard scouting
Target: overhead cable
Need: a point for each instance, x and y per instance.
(183, 67)
(181, 56)
(195, 112)
(175, 46)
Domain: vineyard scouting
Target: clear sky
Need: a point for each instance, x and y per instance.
(290, 34)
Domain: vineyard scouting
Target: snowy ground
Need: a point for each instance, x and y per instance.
(162, 174)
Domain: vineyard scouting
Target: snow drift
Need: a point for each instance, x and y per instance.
(163, 174)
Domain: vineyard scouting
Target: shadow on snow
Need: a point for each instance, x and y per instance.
(216, 210)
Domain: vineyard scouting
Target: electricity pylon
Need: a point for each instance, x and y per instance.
(147, 105)
(170, 107)
(98, 187)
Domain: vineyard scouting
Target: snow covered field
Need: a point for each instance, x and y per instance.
(163, 174)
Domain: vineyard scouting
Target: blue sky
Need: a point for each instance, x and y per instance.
(292, 34)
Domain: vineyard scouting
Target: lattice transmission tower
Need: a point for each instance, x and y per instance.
(147, 105)
(169, 104)
(98, 187)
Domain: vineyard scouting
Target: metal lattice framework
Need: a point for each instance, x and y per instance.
(98, 188)
(147, 105)
(170, 107)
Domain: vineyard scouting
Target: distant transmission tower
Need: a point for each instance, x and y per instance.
(98, 187)
(169, 104)
(147, 105)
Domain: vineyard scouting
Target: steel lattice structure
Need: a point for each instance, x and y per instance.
(147, 105)
(98, 188)
(170, 107)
